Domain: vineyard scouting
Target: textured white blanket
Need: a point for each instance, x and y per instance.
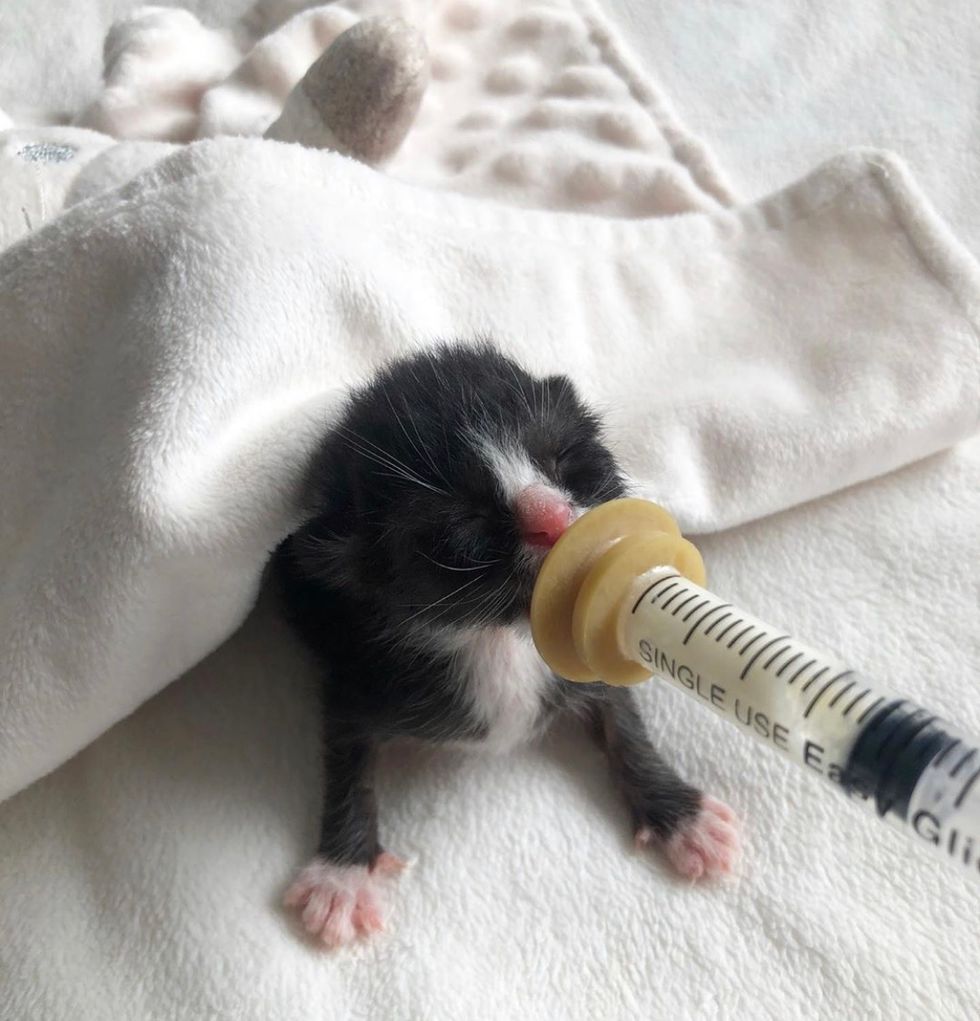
(167, 351)
(159, 394)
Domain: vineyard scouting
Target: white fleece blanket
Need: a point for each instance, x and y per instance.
(159, 395)
(143, 875)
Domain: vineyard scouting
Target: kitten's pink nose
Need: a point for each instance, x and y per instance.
(542, 515)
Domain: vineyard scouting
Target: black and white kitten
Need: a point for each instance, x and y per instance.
(438, 493)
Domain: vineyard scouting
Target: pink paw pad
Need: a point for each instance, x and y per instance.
(706, 846)
(339, 904)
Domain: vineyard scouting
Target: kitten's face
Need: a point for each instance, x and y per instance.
(445, 483)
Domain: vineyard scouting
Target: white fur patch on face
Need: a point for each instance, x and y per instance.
(515, 471)
(505, 680)
(513, 468)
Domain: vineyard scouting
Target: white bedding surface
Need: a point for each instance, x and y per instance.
(851, 921)
(561, 919)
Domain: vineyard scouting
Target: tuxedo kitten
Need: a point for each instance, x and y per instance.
(436, 496)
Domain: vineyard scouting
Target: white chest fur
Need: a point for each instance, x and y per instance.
(505, 680)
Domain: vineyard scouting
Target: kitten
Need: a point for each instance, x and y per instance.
(437, 495)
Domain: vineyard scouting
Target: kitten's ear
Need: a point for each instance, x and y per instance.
(559, 386)
(562, 393)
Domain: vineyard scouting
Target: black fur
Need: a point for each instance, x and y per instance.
(411, 542)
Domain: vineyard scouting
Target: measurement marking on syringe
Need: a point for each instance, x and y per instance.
(806, 666)
(961, 797)
(966, 758)
(734, 623)
(669, 588)
(650, 588)
(864, 694)
(748, 645)
(720, 620)
(871, 708)
(840, 694)
(691, 613)
(680, 606)
(816, 698)
(955, 743)
(772, 659)
(679, 592)
(787, 664)
(896, 722)
(768, 645)
(739, 635)
(702, 619)
(815, 677)
(663, 592)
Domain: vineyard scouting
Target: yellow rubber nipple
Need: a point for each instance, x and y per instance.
(586, 577)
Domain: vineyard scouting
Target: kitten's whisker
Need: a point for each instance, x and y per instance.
(418, 448)
(409, 478)
(517, 389)
(388, 460)
(482, 619)
(545, 399)
(495, 601)
(481, 565)
(374, 455)
(429, 606)
(381, 451)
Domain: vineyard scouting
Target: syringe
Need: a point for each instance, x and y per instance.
(620, 597)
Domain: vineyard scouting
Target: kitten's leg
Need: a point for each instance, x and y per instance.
(697, 832)
(339, 894)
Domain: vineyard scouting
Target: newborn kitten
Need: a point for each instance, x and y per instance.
(437, 495)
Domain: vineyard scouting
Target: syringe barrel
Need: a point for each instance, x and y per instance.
(902, 760)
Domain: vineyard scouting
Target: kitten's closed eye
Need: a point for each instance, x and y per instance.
(565, 457)
(477, 517)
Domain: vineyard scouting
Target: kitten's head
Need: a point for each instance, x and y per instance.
(445, 482)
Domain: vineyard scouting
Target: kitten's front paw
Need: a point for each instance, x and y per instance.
(705, 846)
(340, 903)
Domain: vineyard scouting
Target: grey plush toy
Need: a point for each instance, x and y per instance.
(361, 95)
